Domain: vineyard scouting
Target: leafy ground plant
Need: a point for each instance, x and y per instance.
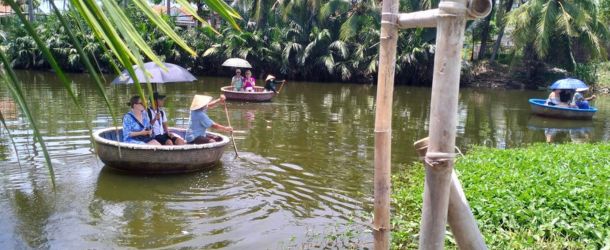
(540, 197)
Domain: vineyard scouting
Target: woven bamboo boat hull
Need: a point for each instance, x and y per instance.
(259, 94)
(150, 159)
(539, 108)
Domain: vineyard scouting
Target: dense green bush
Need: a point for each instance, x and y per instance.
(540, 197)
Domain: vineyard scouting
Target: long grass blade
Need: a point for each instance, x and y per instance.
(15, 90)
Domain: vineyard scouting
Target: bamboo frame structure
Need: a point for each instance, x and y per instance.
(443, 194)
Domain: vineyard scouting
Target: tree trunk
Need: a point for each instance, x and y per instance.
(485, 33)
(31, 10)
(168, 5)
(497, 44)
(508, 5)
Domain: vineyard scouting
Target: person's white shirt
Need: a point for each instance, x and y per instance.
(157, 126)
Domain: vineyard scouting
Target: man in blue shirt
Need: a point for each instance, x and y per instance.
(199, 121)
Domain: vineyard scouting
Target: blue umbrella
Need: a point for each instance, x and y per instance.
(156, 74)
(568, 83)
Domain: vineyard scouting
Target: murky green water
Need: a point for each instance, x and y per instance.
(305, 170)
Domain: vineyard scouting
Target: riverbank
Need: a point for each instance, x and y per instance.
(535, 197)
(495, 75)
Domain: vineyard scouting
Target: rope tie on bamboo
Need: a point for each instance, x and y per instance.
(436, 158)
(389, 18)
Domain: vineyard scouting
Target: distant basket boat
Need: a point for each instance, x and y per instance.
(150, 159)
(540, 108)
(259, 94)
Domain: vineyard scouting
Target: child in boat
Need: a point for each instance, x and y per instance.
(249, 82)
(136, 126)
(199, 120)
(158, 119)
(580, 100)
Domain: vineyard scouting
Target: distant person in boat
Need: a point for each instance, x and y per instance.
(237, 81)
(553, 97)
(270, 83)
(158, 119)
(136, 126)
(580, 100)
(249, 82)
(199, 121)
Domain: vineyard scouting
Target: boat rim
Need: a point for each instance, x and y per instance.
(533, 101)
(243, 92)
(99, 139)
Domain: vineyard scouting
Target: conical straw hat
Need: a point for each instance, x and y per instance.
(199, 101)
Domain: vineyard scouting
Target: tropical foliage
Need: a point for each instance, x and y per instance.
(565, 27)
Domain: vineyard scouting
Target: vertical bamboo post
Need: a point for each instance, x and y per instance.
(383, 123)
(443, 120)
(460, 218)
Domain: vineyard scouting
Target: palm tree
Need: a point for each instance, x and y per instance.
(539, 24)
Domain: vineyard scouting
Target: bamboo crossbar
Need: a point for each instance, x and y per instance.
(428, 18)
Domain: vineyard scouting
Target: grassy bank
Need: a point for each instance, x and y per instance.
(540, 197)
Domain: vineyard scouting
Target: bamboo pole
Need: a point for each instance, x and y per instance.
(460, 218)
(229, 123)
(383, 123)
(443, 120)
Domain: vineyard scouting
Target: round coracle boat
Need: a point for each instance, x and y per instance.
(259, 94)
(156, 159)
(540, 108)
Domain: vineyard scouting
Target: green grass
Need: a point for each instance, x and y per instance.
(544, 196)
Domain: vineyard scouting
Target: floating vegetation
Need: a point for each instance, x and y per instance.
(540, 197)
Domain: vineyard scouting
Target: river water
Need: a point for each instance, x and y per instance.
(303, 179)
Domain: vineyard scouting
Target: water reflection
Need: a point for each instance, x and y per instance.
(145, 211)
(562, 130)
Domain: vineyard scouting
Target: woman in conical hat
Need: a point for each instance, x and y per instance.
(270, 83)
(199, 121)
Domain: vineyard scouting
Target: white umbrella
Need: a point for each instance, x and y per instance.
(237, 63)
(156, 74)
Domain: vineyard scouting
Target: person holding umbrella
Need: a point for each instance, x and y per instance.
(199, 120)
(158, 119)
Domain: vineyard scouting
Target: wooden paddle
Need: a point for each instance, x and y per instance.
(284, 81)
(229, 122)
